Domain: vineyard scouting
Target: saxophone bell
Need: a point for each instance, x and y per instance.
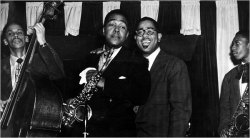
(82, 112)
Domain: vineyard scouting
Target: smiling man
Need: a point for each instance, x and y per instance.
(168, 108)
(234, 87)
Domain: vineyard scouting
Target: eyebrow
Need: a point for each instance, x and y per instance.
(146, 28)
(17, 30)
(124, 21)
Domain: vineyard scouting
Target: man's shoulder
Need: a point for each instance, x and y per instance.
(168, 58)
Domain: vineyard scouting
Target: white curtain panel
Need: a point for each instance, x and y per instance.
(109, 6)
(227, 26)
(72, 16)
(33, 13)
(190, 17)
(150, 9)
(4, 16)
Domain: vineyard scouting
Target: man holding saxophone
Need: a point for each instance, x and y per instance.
(234, 99)
(123, 82)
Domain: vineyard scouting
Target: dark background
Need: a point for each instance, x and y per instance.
(198, 52)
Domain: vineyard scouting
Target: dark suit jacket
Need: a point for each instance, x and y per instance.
(168, 108)
(112, 107)
(229, 98)
(45, 65)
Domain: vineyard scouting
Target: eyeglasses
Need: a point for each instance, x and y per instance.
(149, 31)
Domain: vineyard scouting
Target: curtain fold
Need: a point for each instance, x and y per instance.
(33, 13)
(227, 26)
(205, 116)
(91, 21)
(190, 17)
(4, 16)
(169, 17)
(243, 11)
(72, 14)
(132, 10)
(109, 6)
(150, 9)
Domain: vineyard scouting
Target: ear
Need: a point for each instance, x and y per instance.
(159, 35)
(127, 35)
(5, 42)
(26, 39)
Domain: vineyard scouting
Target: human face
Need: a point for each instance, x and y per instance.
(116, 31)
(147, 37)
(240, 48)
(15, 37)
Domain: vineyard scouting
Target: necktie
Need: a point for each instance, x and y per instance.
(104, 60)
(18, 69)
(243, 70)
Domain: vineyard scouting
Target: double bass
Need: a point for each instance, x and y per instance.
(35, 105)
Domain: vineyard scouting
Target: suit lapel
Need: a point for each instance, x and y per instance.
(6, 78)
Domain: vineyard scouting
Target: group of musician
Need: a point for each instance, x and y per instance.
(142, 92)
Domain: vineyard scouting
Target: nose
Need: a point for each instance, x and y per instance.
(234, 47)
(117, 28)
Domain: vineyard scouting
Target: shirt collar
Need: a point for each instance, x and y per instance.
(13, 59)
(152, 56)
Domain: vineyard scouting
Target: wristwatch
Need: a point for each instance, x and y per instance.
(44, 45)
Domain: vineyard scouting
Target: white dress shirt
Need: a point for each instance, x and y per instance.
(152, 56)
(13, 67)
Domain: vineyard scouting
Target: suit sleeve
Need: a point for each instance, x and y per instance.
(224, 105)
(180, 99)
(52, 62)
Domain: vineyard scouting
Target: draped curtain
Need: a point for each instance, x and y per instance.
(91, 21)
(3, 16)
(243, 12)
(150, 9)
(169, 17)
(72, 14)
(203, 75)
(33, 13)
(227, 26)
(190, 17)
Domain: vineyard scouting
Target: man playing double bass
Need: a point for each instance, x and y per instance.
(46, 65)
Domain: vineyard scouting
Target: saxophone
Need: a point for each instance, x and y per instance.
(77, 109)
(239, 124)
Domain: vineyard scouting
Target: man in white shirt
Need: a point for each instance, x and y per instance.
(45, 67)
(234, 85)
(168, 108)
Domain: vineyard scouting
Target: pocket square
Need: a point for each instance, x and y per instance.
(122, 77)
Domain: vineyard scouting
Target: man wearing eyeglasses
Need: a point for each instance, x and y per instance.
(168, 108)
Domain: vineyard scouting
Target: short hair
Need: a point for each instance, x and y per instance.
(243, 33)
(9, 24)
(118, 12)
(156, 24)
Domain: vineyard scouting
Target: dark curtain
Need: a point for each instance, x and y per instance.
(133, 11)
(169, 17)
(243, 11)
(56, 27)
(91, 21)
(203, 75)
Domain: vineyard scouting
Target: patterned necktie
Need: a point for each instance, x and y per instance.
(18, 69)
(243, 70)
(105, 59)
